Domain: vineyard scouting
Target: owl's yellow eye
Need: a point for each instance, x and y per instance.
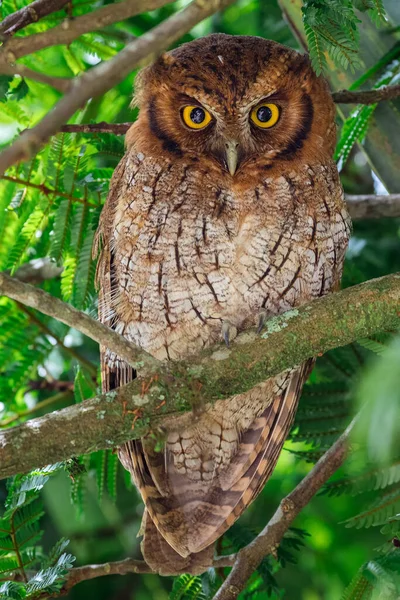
(196, 117)
(265, 115)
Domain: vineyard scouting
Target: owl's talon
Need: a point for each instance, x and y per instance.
(229, 332)
(262, 317)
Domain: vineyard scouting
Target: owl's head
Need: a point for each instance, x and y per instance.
(241, 103)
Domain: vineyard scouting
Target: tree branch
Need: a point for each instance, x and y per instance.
(38, 270)
(102, 127)
(132, 411)
(107, 74)
(369, 206)
(70, 29)
(121, 567)
(388, 92)
(30, 14)
(249, 558)
(65, 313)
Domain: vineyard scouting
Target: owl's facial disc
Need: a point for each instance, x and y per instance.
(227, 142)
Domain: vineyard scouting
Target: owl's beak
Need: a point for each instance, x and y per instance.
(231, 153)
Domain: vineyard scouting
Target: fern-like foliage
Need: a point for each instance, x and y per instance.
(55, 211)
(356, 125)
(383, 509)
(187, 587)
(49, 207)
(331, 28)
(376, 484)
(327, 401)
(25, 570)
(376, 579)
(367, 480)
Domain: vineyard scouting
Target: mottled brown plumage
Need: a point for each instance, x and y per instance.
(205, 229)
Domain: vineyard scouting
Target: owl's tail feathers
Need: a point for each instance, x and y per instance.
(163, 559)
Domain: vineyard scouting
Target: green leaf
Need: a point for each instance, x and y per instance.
(84, 387)
(187, 587)
(12, 590)
(5, 81)
(61, 229)
(363, 5)
(20, 91)
(50, 580)
(377, 579)
(112, 472)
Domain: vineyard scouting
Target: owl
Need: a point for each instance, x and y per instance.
(225, 210)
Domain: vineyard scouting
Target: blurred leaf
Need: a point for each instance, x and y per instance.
(5, 81)
(379, 393)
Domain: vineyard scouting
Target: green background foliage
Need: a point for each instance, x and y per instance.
(342, 543)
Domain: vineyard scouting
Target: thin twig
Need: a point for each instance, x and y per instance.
(48, 383)
(249, 558)
(61, 84)
(120, 567)
(67, 349)
(42, 404)
(30, 14)
(65, 313)
(102, 127)
(367, 96)
(164, 397)
(46, 190)
(107, 74)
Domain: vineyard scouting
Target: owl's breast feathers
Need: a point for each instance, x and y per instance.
(183, 251)
(186, 252)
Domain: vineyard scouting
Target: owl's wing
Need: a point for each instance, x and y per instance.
(190, 517)
(114, 372)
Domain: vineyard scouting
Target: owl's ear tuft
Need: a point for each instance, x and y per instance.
(165, 60)
(306, 73)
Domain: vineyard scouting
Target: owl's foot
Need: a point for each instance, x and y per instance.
(229, 332)
(262, 317)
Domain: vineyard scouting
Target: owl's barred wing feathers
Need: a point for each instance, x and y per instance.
(182, 518)
(190, 521)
